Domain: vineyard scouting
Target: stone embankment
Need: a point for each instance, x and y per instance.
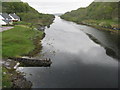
(34, 62)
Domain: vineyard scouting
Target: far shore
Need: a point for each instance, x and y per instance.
(115, 31)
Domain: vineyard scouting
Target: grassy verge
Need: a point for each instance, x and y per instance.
(19, 41)
(16, 42)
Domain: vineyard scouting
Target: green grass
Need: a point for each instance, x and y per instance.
(107, 23)
(15, 43)
(6, 78)
(18, 41)
(101, 14)
(21, 23)
(0, 76)
(0, 45)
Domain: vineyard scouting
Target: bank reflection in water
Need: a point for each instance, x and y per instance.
(78, 62)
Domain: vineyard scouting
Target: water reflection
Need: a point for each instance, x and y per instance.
(109, 51)
(78, 62)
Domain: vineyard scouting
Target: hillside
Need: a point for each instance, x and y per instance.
(103, 14)
(27, 13)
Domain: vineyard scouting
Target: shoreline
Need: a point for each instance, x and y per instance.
(22, 40)
(38, 46)
(97, 27)
(105, 29)
(17, 78)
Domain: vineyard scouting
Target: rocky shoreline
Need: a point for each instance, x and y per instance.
(17, 78)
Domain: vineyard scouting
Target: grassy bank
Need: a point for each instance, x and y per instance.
(106, 29)
(107, 25)
(19, 41)
(101, 15)
(16, 42)
(23, 39)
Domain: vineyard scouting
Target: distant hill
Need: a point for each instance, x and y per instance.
(104, 14)
(27, 13)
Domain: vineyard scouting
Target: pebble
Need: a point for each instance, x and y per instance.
(4, 73)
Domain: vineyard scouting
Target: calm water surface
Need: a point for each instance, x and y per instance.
(78, 61)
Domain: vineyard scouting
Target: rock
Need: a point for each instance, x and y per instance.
(22, 83)
(4, 73)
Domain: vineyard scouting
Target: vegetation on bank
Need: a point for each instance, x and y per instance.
(19, 41)
(24, 38)
(30, 19)
(16, 42)
(27, 13)
(6, 78)
(98, 14)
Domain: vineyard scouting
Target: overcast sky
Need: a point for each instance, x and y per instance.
(57, 6)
